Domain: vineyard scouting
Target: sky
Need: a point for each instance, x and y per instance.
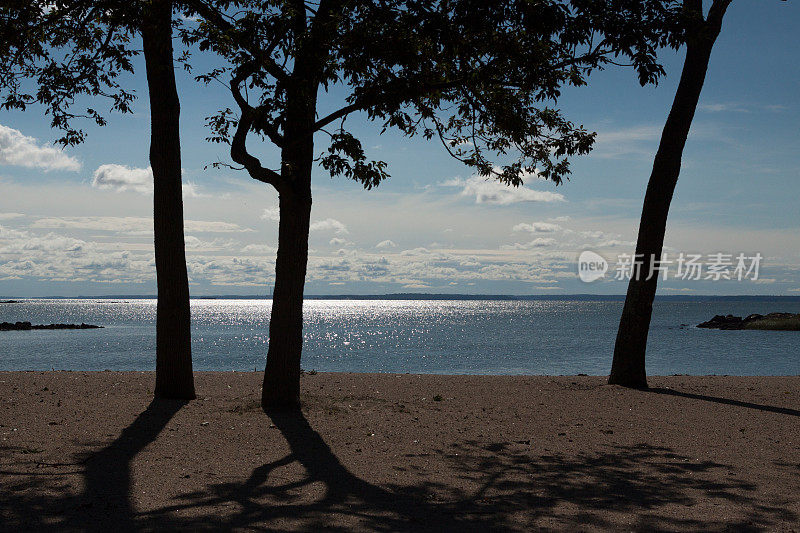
(79, 221)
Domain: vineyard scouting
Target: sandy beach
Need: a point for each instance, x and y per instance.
(89, 451)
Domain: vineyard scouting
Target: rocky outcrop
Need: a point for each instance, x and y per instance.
(723, 322)
(771, 321)
(27, 326)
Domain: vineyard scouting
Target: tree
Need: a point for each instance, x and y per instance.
(174, 378)
(628, 367)
(476, 75)
(76, 48)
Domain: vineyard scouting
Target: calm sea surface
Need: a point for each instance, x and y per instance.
(418, 336)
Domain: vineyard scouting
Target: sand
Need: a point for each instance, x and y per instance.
(88, 451)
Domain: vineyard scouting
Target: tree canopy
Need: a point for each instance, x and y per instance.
(55, 53)
(482, 77)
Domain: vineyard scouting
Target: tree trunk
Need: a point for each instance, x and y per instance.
(174, 377)
(282, 375)
(628, 367)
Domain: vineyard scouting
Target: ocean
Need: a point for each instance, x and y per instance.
(545, 337)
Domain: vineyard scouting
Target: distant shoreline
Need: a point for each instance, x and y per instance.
(436, 296)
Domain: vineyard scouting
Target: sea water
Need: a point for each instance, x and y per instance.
(550, 337)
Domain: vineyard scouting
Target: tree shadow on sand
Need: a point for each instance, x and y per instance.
(508, 489)
(726, 401)
(491, 487)
(38, 504)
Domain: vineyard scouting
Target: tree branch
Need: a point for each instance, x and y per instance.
(262, 56)
(367, 102)
(240, 154)
(715, 14)
(340, 113)
(270, 129)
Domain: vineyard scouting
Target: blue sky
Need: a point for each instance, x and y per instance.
(79, 221)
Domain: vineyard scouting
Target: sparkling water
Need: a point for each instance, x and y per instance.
(549, 337)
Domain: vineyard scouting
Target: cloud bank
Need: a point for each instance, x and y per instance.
(493, 192)
(20, 150)
(121, 178)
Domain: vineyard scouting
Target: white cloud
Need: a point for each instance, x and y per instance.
(9, 216)
(329, 224)
(540, 242)
(336, 241)
(210, 226)
(8, 233)
(191, 190)
(722, 107)
(612, 243)
(133, 225)
(271, 213)
(196, 244)
(537, 227)
(415, 251)
(633, 134)
(259, 249)
(21, 150)
(737, 107)
(56, 257)
(121, 178)
(192, 242)
(491, 191)
(47, 243)
(635, 140)
(116, 224)
(386, 244)
(641, 142)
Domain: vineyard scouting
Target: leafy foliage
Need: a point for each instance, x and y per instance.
(346, 157)
(53, 53)
(481, 76)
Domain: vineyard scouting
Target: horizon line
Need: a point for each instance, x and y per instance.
(399, 295)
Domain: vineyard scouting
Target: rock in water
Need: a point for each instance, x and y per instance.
(771, 321)
(27, 326)
(722, 322)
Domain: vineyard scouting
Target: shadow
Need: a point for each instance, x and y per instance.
(475, 486)
(492, 487)
(344, 497)
(107, 474)
(726, 401)
(105, 502)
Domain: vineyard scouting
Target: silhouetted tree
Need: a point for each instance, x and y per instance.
(476, 75)
(628, 367)
(174, 378)
(74, 48)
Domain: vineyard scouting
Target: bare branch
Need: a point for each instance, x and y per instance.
(336, 115)
(240, 154)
